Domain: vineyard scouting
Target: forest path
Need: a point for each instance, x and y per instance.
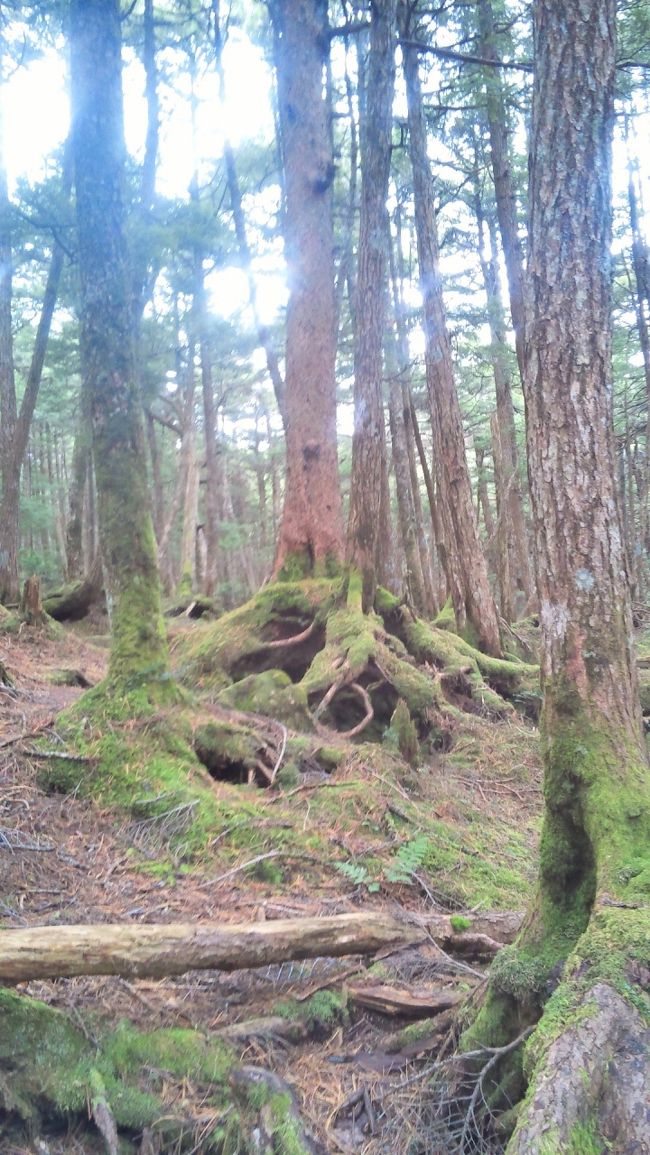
(65, 860)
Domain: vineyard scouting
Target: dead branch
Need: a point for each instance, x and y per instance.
(156, 950)
(388, 1000)
(331, 693)
(495, 1057)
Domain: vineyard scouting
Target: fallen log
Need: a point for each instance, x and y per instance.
(155, 950)
(158, 950)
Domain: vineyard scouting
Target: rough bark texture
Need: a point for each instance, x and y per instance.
(173, 948)
(264, 333)
(504, 184)
(594, 1081)
(465, 565)
(311, 533)
(589, 924)
(369, 440)
(127, 541)
(510, 508)
(178, 947)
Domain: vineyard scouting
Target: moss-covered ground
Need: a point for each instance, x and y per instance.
(150, 803)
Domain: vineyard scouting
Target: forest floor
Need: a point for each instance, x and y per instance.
(455, 834)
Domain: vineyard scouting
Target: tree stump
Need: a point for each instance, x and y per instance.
(31, 607)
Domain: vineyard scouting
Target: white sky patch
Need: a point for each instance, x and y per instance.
(36, 117)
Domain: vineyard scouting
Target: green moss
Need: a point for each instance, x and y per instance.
(519, 974)
(329, 757)
(459, 923)
(320, 1014)
(445, 619)
(287, 1135)
(213, 654)
(273, 694)
(402, 733)
(139, 758)
(584, 1139)
(53, 1068)
(385, 602)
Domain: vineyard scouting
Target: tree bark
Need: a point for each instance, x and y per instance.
(369, 438)
(239, 220)
(311, 532)
(504, 184)
(588, 925)
(174, 948)
(464, 561)
(138, 644)
(509, 494)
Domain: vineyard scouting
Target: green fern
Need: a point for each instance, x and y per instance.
(353, 871)
(409, 859)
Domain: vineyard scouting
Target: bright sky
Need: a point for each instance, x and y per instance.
(36, 125)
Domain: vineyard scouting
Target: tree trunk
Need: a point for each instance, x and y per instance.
(642, 308)
(9, 589)
(465, 565)
(589, 923)
(504, 184)
(311, 532)
(138, 644)
(369, 439)
(264, 334)
(509, 495)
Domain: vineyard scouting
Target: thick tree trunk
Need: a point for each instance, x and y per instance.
(311, 533)
(405, 508)
(369, 439)
(589, 924)
(464, 561)
(509, 496)
(108, 363)
(432, 604)
(264, 334)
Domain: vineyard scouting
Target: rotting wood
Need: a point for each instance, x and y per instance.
(156, 950)
(269, 1028)
(415, 1004)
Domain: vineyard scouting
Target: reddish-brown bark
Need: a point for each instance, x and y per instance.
(462, 555)
(369, 441)
(311, 532)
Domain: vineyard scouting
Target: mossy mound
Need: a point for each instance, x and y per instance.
(250, 639)
(50, 1071)
(272, 694)
(348, 670)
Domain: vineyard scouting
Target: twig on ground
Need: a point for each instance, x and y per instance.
(497, 1054)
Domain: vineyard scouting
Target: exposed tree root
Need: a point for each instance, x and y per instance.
(339, 659)
(591, 1090)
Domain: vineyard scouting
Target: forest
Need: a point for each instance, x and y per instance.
(324, 577)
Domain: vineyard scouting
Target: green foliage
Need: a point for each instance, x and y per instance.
(53, 1068)
(459, 923)
(410, 858)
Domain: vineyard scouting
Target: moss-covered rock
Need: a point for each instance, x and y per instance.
(50, 1070)
(273, 694)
